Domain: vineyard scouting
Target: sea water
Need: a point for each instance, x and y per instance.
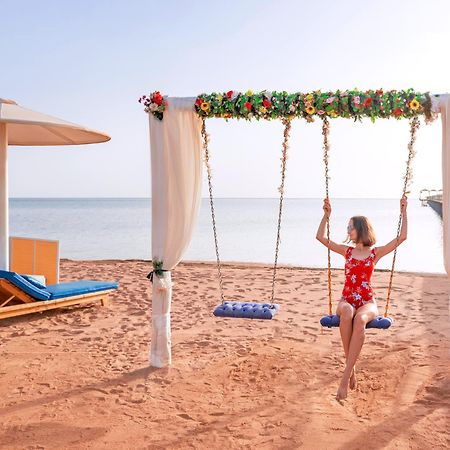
(121, 229)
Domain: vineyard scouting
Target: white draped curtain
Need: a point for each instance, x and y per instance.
(443, 105)
(176, 170)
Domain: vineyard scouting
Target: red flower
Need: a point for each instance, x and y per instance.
(397, 112)
(248, 105)
(380, 92)
(157, 98)
(229, 94)
(199, 101)
(266, 103)
(367, 102)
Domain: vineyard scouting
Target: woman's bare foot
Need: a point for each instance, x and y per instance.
(342, 391)
(353, 381)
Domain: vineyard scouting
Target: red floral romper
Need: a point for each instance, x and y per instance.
(357, 289)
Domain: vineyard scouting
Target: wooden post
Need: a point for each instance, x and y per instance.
(4, 225)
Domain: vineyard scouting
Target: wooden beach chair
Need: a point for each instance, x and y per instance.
(21, 294)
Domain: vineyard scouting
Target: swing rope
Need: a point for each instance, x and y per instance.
(414, 126)
(205, 136)
(287, 128)
(326, 148)
(284, 157)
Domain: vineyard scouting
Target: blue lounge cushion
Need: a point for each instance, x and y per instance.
(54, 291)
(379, 322)
(246, 310)
(25, 286)
(79, 287)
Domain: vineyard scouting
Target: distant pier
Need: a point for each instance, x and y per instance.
(433, 198)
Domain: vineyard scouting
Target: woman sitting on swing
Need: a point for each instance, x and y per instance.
(357, 305)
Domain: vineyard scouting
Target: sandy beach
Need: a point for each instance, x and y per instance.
(78, 378)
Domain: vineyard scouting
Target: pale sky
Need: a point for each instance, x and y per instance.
(89, 61)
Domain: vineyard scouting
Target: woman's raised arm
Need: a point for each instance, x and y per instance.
(321, 237)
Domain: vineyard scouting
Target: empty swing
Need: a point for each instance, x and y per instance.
(237, 309)
(382, 322)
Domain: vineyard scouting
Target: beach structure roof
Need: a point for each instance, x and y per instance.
(29, 128)
(25, 127)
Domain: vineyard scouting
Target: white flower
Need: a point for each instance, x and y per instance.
(356, 296)
(353, 278)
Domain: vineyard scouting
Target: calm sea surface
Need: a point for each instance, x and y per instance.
(121, 229)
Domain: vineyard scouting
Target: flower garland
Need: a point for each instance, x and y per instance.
(274, 105)
(154, 104)
(349, 104)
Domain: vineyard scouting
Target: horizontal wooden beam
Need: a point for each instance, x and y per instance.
(39, 306)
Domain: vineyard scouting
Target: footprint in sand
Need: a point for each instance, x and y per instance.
(186, 416)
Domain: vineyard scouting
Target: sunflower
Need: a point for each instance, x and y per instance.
(204, 106)
(263, 109)
(310, 109)
(414, 104)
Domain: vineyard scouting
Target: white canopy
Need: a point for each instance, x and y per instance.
(22, 126)
(30, 128)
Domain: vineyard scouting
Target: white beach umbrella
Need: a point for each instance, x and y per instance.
(22, 126)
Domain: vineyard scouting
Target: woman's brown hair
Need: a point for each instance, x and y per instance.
(364, 231)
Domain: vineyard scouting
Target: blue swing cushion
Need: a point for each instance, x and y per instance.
(247, 310)
(378, 322)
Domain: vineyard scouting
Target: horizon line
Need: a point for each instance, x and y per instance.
(202, 198)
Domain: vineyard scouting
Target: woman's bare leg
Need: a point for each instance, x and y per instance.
(363, 315)
(345, 311)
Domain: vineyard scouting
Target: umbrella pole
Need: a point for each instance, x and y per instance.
(4, 232)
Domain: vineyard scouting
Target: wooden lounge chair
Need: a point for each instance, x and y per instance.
(21, 294)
